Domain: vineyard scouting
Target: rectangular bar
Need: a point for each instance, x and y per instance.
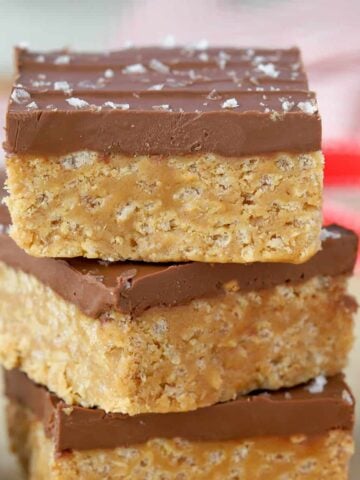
(137, 338)
(165, 155)
(302, 432)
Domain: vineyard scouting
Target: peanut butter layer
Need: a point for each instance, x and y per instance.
(310, 410)
(318, 457)
(200, 207)
(162, 101)
(179, 358)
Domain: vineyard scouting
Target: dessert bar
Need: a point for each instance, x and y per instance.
(165, 155)
(304, 432)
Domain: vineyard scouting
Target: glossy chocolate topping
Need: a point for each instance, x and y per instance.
(162, 101)
(96, 287)
(307, 410)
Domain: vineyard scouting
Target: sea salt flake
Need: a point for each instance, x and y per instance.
(109, 73)
(120, 106)
(317, 385)
(223, 58)
(40, 83)
(309, 107)
(171, 82)
(169, 41)
(193, 75)
(230, 103)
(63, 86)
(325, 234)
(347, 397)
(158, 66)
(258, 59)
(77, 102)
(163, 107)
(203, 56)
(32, 106)
(86, 84)
(286, 104)
(268, 69)
(157, 87)
(62, 60)
(135, 68)
(19, 95)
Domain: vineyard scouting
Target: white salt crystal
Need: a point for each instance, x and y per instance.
(77, 102)
(19, 95)
(163, 107)
(308, 107)
(63, 86)
(317, 385)
(32, 106)
(158, 66)
(268, 69)
(62, 60)
(109, 73)
(230, 103)
(135, 68)
(120, 106)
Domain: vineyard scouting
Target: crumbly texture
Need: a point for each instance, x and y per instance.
(202, 207)
(298, 457)
(180, 358)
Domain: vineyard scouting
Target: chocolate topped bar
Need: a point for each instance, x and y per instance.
(309, 409)
(132, 287)
(162, 101)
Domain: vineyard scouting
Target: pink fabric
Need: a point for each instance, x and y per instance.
(326, 30)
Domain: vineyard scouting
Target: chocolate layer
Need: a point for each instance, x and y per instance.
(96, 287)
(282, 413)
(162, 101)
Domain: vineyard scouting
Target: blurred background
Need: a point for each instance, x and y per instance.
(327, 31)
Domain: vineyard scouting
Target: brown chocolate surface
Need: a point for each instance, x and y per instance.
(96, 287)
(162, 101)
(282, 413)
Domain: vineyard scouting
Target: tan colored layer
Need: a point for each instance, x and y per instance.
(180, 358)
(323, 457)
(202, 207)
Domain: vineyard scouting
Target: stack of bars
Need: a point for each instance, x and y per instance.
(170, 307)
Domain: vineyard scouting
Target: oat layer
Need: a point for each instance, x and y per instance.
(201, 207)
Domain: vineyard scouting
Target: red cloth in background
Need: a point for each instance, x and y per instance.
(342, 166)
(342, 169)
